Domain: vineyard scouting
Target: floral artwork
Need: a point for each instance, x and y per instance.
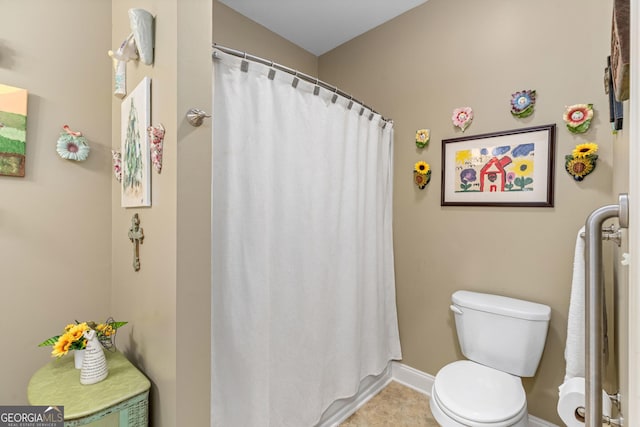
(496, 169)
(578, 117)
(13, 130)
(136, 164)
(462, 117)
(582, 161)
(421, 174)
(507, 168)
(156, 134)
(522, 103)
(422, 138)
(116, 160)
(73, 336)
(72, 145)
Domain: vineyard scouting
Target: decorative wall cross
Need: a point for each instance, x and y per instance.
(136, 235)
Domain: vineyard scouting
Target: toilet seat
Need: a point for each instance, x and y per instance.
(478, 396)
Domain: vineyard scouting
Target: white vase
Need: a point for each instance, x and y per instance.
(94, 366)
(141, 22)
(78, 357)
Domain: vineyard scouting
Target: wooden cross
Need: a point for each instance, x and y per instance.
(136, 235)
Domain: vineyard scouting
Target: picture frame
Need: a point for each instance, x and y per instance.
(507, 168)
(136, 162)
(13, 130)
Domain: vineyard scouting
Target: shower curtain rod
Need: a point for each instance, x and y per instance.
(304, 77)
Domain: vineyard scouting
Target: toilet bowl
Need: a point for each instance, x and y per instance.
(503, 339)
(467, 394)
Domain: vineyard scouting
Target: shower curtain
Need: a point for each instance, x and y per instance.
(303, 292)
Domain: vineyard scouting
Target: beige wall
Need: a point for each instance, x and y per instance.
(168, 299)
(194, 216)
(453, 53)
(55, 223)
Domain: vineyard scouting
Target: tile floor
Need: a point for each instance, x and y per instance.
(395, 406)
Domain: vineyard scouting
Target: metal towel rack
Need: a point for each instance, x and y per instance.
(593, 304)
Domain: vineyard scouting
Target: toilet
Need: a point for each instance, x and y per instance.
(503, 339)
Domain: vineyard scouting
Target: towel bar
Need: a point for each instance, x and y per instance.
(610, 233)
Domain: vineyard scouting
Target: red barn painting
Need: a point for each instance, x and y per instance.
(493, 176)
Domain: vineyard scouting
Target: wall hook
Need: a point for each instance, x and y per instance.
(196, 116)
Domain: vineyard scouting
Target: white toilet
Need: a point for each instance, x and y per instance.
(503, 339)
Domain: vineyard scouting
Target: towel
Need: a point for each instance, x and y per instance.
(574, 349)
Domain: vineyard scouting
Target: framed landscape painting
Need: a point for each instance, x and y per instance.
(136, 171)
(13, 130)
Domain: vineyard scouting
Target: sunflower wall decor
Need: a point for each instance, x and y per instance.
(422, 138)
(522, 103)
(578, 117)
(421, 174)
(582, 160)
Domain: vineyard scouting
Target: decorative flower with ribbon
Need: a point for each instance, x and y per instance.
(582, 160)
(462, 117)
(421, 174)
(578, 117)
(422, 137)
(116, 160)
(522, 103)
(72, 145)
(156, 134)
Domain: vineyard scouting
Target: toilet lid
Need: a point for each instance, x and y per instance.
(475, 392)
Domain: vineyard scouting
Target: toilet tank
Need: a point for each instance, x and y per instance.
(504, 333)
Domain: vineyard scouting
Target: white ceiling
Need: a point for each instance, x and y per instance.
(320, 25)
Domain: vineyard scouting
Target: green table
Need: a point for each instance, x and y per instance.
(125, 390)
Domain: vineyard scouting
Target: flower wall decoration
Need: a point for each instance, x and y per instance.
(522, 103)
(422, 138)
(582, 160)
(421, 174)
(578, 117)
(156, 136)
(462, 117)
(72, 145)
(73, 336)
(116, 160)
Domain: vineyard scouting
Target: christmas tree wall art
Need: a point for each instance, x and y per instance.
(136, 171)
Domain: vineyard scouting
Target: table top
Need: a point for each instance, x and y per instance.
(58, 384)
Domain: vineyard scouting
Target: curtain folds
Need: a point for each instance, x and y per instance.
(303, 291)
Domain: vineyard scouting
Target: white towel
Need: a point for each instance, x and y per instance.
(574, 350)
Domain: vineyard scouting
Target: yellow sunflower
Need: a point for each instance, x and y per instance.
(422, 167)
(523, 167)
(61, 347)
(105, 329)
(579, 167)
(584, 150)
(77, 330)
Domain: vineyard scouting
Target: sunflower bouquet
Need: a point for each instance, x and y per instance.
(73, 336)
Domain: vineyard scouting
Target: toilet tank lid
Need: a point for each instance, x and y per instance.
(505, 306)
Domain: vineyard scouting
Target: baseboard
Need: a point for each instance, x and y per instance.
(423, 382)
(412, 378)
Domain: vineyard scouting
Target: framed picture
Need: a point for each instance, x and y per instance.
(13, 130)
(509, 168)
(136, 164)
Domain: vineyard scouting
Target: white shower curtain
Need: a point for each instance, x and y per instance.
(303, 292)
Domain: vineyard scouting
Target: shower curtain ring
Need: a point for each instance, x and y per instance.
(195, 117)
